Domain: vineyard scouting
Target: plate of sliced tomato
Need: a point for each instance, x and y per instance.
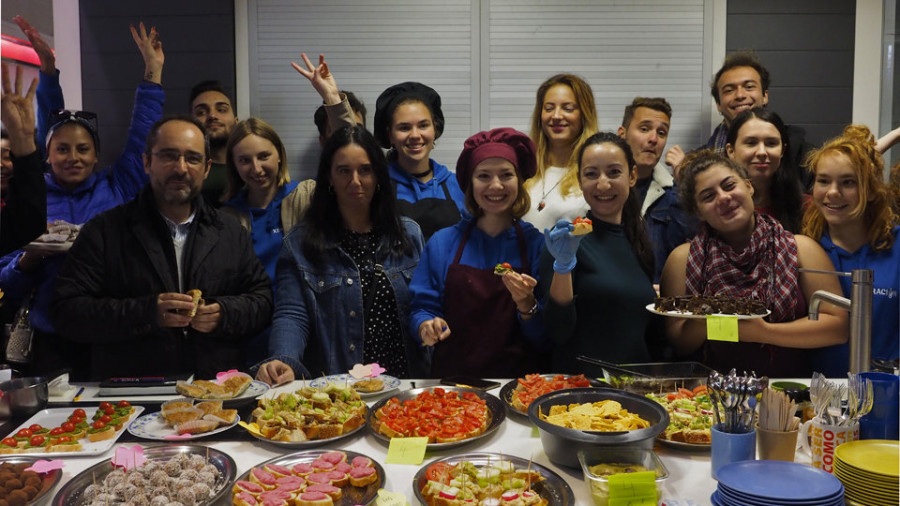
(447, 416)
(519, 393)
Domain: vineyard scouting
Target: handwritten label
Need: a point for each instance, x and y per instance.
(633, 489)
(386, 498)
(722, 328)
(407, 450)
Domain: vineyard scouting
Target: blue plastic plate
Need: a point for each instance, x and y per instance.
(772, 479)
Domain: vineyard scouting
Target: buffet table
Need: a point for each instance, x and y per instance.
(689, 481)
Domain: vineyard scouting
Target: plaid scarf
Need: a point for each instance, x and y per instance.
(765, 270)
(718, 139)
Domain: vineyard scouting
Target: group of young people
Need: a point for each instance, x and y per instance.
(390, 258)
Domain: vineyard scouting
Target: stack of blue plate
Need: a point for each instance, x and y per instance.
(776, 483)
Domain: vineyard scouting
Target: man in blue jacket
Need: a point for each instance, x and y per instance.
(645, 127)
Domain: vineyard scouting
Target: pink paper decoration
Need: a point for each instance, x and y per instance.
(224, 375)
(129, 458)
(372, 370)
(46, 466)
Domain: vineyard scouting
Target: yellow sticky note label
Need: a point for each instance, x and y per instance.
(722, 328)
(407, 450)
(535, 432)
(633, 489)
(386, 498)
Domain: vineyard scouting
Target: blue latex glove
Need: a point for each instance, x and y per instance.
(562, 245)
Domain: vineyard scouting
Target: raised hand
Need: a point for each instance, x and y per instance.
(151, 50)
(321, 79)
(40, 46)
(18, 112)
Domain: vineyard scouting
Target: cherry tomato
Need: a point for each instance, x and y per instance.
(35, 427)
(105, 418)
(37, 440)
(10, 441)
(123, 404)
(439, 471)
(79, 412)
(65, 439)
(68, 427)
(24, 433)
(99, 424)
(110, 411)
(104, 405)
(57, 431)
(76, 419)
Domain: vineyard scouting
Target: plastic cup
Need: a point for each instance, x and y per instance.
(728, 447)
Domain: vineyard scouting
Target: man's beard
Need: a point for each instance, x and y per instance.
(181, 195)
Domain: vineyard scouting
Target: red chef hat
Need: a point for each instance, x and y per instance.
(506, 143)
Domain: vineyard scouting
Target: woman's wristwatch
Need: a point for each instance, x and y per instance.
(531, 312)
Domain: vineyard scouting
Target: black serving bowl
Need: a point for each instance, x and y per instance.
(561, 444)
(23, 397)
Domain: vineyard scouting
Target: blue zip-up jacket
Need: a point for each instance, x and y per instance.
(834, 361)
(266, 227)
(411, 189)
(102, 190)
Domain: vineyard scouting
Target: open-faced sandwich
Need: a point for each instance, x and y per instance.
(464, 483)
(310, 413)
(690, 415)
(582, 226)
(232, 387)
(503, 268)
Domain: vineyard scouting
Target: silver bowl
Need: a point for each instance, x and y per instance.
(561, 443)
(22, 397)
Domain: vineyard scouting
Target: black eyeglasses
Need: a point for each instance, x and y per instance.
(171, 157)
(87, 118)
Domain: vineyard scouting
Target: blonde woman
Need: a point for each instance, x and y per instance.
(564, 117)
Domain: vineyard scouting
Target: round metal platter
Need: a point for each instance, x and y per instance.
(506, 392)
(48, 480)
(350, 495)
(495, 407)
(70, 494)
(309, 443)
(553, 488)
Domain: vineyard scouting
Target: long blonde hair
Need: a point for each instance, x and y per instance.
(585, 98)
(857, 143)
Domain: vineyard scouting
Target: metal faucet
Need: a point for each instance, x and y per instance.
(860, 307)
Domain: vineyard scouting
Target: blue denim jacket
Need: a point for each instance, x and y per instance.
(667, 225)
(318, 326)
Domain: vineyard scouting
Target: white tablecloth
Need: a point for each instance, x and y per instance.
(689, 481)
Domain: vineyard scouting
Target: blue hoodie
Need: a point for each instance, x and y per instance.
(411, 189)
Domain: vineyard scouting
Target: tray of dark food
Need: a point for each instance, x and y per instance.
(185, 474)
(698, 306)
(490, 478)
(457, 416)
(311, 478)
(25, 487)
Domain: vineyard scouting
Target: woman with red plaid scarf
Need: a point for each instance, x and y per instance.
(739, 252)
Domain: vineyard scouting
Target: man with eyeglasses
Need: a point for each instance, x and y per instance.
(123, 286)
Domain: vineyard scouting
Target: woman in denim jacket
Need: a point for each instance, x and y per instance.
(343, 273)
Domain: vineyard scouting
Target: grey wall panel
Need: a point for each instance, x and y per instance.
(808, 48)
(198, 41)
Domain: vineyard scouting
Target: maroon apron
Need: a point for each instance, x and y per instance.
(485, 339)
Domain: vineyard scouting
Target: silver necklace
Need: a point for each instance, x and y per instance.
(541, 205)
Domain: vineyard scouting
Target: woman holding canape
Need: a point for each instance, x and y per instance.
(739, 252)
(564, 117)
(342, 274)
(408, 121)
(852, 219)
(475, 319)
(610, 269)
(757, 140)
